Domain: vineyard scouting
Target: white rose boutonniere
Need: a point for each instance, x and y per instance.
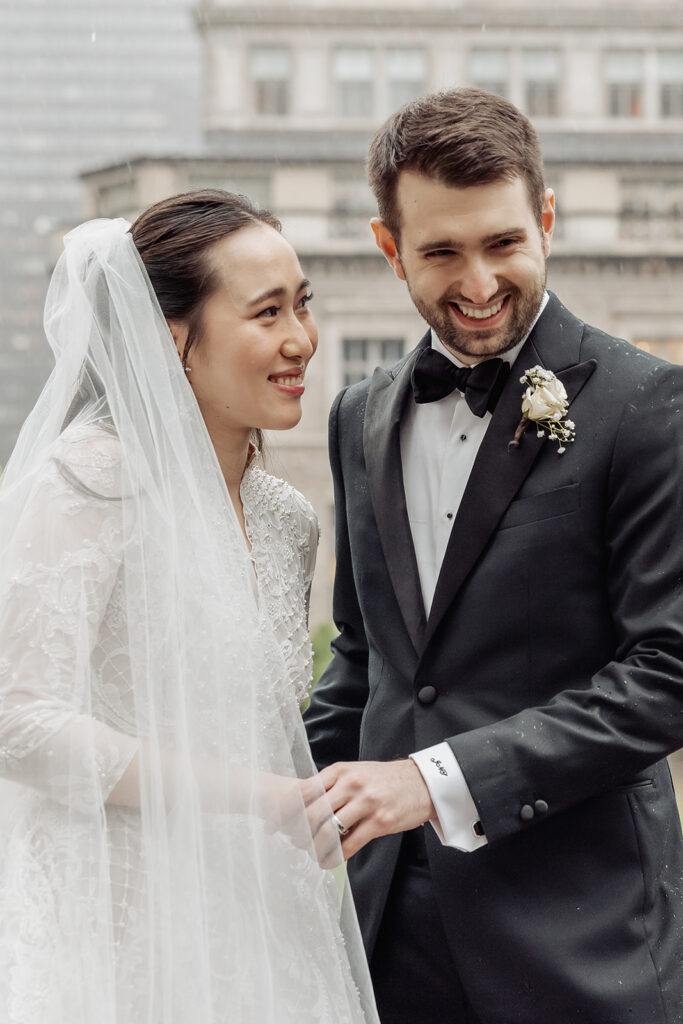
(545, 404)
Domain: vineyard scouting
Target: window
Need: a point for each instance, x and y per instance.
(353, 79)
(352, 204)
(541, 70)
(269, 70)
(488, 69)
(624, 80)
(651, 206)
(360, 356)
(406, 76)
(115, 199)
(670, 72)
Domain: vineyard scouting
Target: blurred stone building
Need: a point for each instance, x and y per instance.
(82, 82)
(293, 91)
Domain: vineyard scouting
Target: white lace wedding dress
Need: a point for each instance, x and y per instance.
(111, 914)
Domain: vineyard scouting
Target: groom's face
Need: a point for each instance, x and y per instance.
(473, 260)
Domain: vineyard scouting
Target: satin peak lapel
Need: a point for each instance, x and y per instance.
(387, 399)
(499, 470)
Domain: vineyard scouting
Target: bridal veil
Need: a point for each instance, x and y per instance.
(156, 863)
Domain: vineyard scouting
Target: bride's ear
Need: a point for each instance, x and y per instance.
(179, 335)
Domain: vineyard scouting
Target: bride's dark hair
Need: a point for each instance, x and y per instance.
(174, 238)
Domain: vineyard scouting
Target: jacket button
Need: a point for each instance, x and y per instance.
(527, 812)
(540, 806)
(427, 695)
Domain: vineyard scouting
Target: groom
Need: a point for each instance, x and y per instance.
(509, 598)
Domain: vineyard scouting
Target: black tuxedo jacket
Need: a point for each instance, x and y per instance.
(554, 648)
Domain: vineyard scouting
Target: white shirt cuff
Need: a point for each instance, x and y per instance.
(456, 811)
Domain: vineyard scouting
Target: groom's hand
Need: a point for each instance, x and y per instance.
(374, 798)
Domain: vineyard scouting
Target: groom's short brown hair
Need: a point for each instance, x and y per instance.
(460, 137)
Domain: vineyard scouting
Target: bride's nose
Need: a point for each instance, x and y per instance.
(300, 341)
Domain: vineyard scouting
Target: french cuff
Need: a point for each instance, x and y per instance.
(457, 823)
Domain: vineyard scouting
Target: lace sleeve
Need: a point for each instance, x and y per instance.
(309, 532)
(58, 574)
(310, 555)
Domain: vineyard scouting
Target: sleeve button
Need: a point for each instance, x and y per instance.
(527, 812)
(427, 695)
(540, 806)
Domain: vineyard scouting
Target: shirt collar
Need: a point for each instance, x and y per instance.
(507, 357)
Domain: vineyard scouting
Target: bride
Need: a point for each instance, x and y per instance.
(157, 865)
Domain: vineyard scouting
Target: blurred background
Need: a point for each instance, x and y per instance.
(109, 105)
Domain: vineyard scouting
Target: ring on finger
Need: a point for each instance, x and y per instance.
(341, 827)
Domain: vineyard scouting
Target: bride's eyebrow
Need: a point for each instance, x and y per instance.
(272, 293)
(276, 293)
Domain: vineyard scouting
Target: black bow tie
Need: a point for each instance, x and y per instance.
(434, 377)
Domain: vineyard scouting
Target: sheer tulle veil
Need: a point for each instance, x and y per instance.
(131, 648)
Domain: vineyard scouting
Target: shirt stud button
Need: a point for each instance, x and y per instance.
(449, 515)
(463, 437)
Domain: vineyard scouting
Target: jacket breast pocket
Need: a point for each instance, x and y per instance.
(538, 507)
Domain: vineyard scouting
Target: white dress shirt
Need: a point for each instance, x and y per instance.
(439, 443)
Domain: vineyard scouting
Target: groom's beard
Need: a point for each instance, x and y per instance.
(484, 343)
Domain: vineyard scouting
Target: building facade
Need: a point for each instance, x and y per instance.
(82, 83)
(293, 92)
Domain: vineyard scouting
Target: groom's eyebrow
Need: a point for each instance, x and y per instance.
(450, 243)
(442, 243)
(276, 293)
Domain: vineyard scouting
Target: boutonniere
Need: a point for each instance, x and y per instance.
(545, 404)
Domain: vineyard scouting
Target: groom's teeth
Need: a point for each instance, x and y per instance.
(481, 314)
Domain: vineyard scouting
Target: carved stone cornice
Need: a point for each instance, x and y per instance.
(664, 16)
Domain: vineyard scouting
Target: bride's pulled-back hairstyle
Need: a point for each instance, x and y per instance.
(174, 239)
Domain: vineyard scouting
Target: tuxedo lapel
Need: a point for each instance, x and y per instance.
(387, 399)
(499, 470)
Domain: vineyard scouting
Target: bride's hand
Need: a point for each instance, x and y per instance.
(300, 809)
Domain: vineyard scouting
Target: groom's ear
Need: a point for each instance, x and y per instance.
(385, 242)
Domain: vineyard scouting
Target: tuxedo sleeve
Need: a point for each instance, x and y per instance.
(597, 735)
(333, 718)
